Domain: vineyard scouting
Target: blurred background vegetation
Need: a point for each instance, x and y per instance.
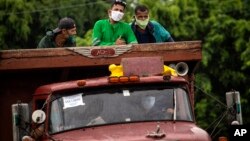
(222, 26)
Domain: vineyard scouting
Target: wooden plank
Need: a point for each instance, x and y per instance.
(65, 57)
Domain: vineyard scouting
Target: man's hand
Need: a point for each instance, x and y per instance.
(120, 41)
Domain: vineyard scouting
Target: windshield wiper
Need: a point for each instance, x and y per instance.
(174, 115)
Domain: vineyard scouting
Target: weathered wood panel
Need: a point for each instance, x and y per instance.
(65, 57)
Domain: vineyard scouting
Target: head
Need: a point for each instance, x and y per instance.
(141, 16)
(148, 102)
(66, 27)
(117, 10)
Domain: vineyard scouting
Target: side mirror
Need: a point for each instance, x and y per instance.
(38, 116)
(234, 107)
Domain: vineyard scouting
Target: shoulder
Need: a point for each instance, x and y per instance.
(103, 21)
(157, 26)
(132, 23)
(46, 40)
(47, 37)
(155, 23)
(43, 42)
(124, 24)
(50, 33)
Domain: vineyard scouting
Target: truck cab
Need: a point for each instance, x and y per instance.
(149, 109)
(142, 98)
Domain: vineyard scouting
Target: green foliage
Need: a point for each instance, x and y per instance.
(86, 41)
(16, 23)
(28, 21)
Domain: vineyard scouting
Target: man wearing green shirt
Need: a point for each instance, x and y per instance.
(112, 31)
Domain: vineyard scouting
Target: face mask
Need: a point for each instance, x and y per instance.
(116, 15)
(142, 23)
(148, 102)
(71, 39)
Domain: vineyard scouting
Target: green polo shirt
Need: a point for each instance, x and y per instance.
(105, 33)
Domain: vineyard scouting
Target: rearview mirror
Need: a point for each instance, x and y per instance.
(38, 116)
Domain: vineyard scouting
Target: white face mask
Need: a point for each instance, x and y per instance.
(142, 23)
(116, 15)
(148, 102)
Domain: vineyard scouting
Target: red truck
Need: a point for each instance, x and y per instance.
(127, 93)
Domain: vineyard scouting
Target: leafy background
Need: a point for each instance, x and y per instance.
(223, 26)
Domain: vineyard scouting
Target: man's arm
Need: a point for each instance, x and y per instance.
(96, 37)
(165, 35)
(97, 34)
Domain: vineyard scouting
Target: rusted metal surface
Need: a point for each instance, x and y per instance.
(142, 66)
(172, 131)
(65, 57)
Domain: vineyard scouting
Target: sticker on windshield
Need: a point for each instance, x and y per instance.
(127, 119)
(72, 101)
(126, 93)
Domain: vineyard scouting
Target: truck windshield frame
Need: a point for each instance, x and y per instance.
(118, 105)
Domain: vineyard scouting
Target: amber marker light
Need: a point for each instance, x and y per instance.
(123, 79)
(81, 83)
(134, 78)
(223, 139)
(113, 79)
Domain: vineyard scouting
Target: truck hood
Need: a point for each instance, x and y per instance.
(143, 131)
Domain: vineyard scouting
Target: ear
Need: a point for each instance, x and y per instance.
(109, 11)
(64, 31)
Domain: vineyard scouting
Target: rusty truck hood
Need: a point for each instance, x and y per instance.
(178, 131)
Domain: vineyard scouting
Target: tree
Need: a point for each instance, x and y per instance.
(23, 23)
(15, 23)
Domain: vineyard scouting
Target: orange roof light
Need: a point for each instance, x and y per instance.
(113, 79)
(134, 78)
(123, 79)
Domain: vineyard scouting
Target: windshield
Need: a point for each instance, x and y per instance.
(118, 105)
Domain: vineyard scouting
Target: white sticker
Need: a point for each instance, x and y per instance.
(126, 93)
(127, 119)
(72, 101)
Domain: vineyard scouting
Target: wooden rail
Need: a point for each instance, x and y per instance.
(26, 59)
